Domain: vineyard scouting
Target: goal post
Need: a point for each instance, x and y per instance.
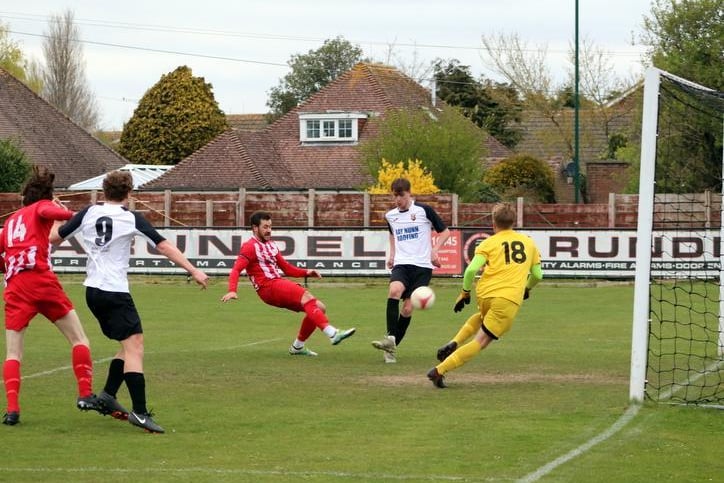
(678, 312)
(640, 331)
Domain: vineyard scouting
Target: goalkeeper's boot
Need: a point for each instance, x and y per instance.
(437, 379)
(301, 352)
(341, 335)
(444, 351)
(389, 348)
(11, 418)
(110, 406)
(144, 421)
(89, 403)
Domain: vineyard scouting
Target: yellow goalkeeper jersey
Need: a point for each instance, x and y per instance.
(509, 257)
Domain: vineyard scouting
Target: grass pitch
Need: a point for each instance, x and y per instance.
(238, 408)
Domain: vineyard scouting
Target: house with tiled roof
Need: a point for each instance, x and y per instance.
(551, 139)
(49, 138)
(247, 122)
(314, 145)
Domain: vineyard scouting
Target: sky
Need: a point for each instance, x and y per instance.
(243, 47)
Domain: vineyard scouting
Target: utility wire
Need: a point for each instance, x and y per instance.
(205, 56)
(223, 33)
(161, 51)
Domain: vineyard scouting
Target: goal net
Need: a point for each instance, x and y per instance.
(678, 326)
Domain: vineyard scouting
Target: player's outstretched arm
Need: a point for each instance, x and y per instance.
(200, 277)
(292, 271)
(535, 276)
(473, 268)
(170, 251)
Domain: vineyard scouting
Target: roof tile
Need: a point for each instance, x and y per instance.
(49, 138)
(274, 158)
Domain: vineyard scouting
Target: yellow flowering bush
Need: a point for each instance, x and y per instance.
(522, 175)
(421, 180)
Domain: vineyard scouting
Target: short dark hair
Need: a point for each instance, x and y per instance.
(39, 186)
(257, 216)
(400, 185)
(503, 216)
(117, 185)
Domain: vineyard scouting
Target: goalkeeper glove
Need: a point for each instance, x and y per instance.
(526, 294)
(462, 300)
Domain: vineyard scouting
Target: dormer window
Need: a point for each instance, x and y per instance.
(345, 128)
(329, 127)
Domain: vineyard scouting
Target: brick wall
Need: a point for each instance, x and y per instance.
(605, 177)
(325, 209)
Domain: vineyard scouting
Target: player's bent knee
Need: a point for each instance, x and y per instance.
(321, 306)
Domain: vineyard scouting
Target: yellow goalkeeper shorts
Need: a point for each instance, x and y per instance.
(498, 314)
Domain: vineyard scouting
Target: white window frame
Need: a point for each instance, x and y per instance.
(329, 126)
(317, 128)
(352, 126)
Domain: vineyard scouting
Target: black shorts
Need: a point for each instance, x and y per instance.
(115, 311)
(411, 277)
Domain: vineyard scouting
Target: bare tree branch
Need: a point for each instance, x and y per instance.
(597, 78)
(525, 69)
(65, 85)
(416, 68)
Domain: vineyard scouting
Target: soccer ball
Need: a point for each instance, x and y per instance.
(422, 298)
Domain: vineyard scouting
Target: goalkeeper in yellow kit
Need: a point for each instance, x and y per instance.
(511, 264)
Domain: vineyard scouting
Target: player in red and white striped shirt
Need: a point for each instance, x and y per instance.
(32, 288)
(266, 267)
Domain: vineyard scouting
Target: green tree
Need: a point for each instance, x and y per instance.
(522, 175)
(448, 144)
(13, 60)
(14, 166)
(495, 107)
(174, 118)
(311, 72)
(686, 38)
(565, 98)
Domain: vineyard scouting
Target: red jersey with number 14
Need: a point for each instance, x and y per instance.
(25, 243)
(263, 263)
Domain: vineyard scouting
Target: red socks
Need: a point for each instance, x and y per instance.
(11, 378)
(306, 329)
(315, 314)
(83, 369)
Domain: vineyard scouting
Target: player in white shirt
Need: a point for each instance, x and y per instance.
(108, 230)
(412, 257)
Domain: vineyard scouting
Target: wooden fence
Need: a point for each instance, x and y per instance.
(357, 209)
